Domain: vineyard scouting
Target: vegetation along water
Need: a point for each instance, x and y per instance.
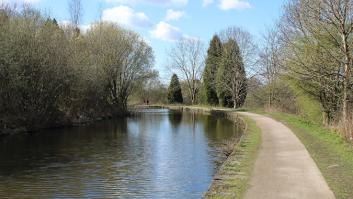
(77, 86)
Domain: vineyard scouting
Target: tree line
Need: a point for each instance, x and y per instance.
(302, 66)
(51, 74)
(218, 79)
(306, 63)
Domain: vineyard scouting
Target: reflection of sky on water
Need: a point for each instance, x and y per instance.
(158, 154)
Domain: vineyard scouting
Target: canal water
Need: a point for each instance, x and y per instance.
(158, 154)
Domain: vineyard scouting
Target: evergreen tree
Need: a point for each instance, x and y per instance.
(174, 91)
(55, 22)
(214, 55)
(231, 76)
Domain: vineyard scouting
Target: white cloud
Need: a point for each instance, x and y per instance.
(166, 32)
(126, 16)
(206, 2)
(234, 4)
(173, 15)
(64, 23)
(154, 2)
(85, 28)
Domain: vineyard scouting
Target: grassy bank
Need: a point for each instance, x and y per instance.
(232, 179)
(332, 154)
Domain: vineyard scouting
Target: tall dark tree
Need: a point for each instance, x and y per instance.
(214, 55)
(231, 76)
(174, 91)
(55, 22)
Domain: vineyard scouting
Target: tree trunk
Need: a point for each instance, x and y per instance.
(324, 118)
(345, 96)
(346, 84)
(193, 97)
(270, 97)
(345, 104)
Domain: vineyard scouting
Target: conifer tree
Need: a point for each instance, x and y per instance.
(231, 76)
(214, 55)
(174, 91)
(55, 22)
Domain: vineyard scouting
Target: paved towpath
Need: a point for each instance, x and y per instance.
(284, 168)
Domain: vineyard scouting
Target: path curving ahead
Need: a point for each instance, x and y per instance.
(284, 168)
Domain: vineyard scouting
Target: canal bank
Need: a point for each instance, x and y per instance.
(268, 162)
(233, 176)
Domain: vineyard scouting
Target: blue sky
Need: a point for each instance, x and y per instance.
(162, 22)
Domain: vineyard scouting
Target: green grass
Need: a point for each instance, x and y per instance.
(332, 154)
(233, 177)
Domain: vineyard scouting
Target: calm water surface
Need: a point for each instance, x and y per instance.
(160, 154)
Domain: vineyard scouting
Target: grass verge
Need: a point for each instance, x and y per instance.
(232, 179)
(332, 154)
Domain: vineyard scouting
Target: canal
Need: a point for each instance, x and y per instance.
(157, 154)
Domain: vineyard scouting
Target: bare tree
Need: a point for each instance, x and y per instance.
(328, 24)
(75, 9)
(187, 59)
(269, 59)
(247, 46)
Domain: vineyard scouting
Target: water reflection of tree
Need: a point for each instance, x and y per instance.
(120, 126)
(175, 118)
(209, 125)
(216, 127)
